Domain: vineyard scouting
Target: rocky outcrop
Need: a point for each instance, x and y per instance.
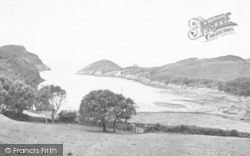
(17, 63)
(21, 52)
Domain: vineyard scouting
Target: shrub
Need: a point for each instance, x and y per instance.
(67, 116)
(124, 127)
(16, 116)
(185, 129)
(233, 133)
(151, 128)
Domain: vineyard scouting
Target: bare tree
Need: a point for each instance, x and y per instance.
(51, 98)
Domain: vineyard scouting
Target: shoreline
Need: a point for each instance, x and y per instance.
(155, 84)
(215, 106)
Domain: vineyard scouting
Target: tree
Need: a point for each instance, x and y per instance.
(16, 95)
(95, 106)
(105, 106)
(5, 85)
(50, 98)
(123, 109)
(42, 99)
(22, 96)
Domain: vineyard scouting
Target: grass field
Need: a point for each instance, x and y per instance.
(82, 140)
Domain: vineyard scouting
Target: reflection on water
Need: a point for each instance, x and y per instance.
(77, 86)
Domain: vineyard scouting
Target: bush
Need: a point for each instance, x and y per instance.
(16, 116)
(67, 116)
(124, 127)
(185, 129)
(233, 133)
(151, 128)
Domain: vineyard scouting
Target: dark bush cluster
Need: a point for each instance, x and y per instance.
(192, 82)
(67, 116)
(239, 86)
(184, 129)
(16, 116)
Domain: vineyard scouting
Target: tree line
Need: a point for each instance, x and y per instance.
(17, 96)
(101, 106)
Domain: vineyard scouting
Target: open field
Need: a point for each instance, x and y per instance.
(82, 140)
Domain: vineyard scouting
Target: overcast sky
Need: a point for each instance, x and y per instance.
(142, 32)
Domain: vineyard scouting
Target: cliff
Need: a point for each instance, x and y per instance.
(22, 53)
(17, 63)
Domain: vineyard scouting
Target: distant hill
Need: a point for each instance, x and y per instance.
(101, 66)
(17, 63)
(222, 68)
(248, 60)
(21, 52)
(208, 72)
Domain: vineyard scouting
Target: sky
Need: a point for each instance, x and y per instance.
(143, 32)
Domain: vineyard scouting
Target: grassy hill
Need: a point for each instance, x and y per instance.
(101, 66)
(193, 72)
(17, 63)
(223, 68)
(81, 140)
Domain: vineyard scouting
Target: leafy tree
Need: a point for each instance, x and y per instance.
(22, 96)
(5, 85)
(51, 98)
(16, 95)
(124, 109)
(105, 106)
(95, 106)
(43, 105)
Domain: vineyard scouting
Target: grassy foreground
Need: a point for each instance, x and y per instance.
(82, 140)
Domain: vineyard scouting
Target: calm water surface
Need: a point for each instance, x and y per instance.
(77, 86)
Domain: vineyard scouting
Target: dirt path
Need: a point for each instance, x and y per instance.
(81, 141)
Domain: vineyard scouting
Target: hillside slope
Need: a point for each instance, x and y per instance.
(191, 72)
(21, 52)
(222, 68)
(17, 63)
(82, 140)
(99, 67)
